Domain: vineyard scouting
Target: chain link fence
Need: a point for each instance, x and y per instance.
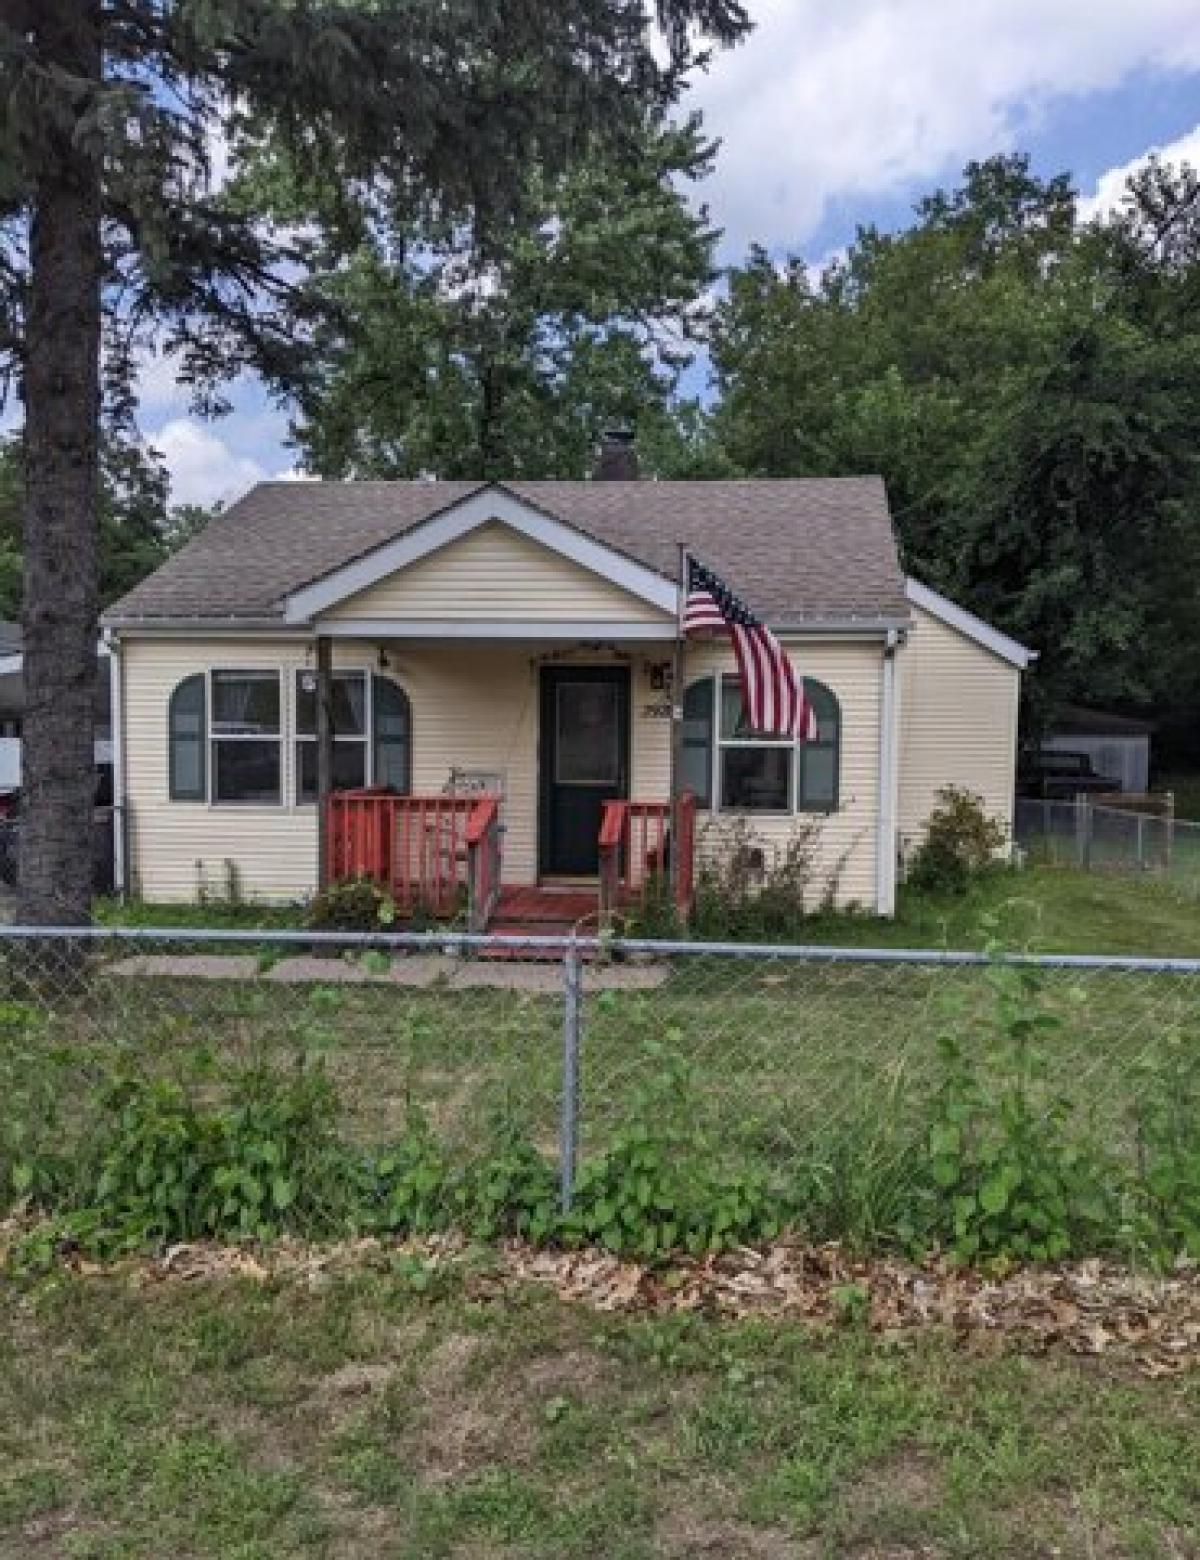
(780, 1058)
(1110, 839)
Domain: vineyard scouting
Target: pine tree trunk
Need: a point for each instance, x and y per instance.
(62, 404)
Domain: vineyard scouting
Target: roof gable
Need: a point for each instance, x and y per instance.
(495, 574)
(488, 507)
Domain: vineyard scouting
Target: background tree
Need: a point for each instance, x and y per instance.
(111, 111)
(487, 348)
(139, 528)
(1027, 385)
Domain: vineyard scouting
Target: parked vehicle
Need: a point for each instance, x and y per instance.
(1057, 776)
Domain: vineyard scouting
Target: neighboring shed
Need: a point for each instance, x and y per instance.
(1118, 746)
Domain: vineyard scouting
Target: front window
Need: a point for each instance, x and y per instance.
(349, 719)
(730, 767)
(755, 771)
(245, 737)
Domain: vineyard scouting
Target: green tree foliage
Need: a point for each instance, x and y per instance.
(111, 224)
(1027, 385)
(501, 348)
(138, 527)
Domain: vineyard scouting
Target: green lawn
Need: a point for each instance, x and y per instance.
(1046, 909)
(789, 1062)
(1050, 909)
(360, 1417)
(389, 1414)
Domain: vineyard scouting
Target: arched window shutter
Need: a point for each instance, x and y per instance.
(187, 741)
(819, 784)
(697, 741)
(393, 736)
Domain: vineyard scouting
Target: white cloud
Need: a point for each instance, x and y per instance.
(204, 470)
(1110, 186)
(827, 101)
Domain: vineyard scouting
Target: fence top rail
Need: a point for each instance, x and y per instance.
(463, 942)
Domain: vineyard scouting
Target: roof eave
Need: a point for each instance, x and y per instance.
(972, 627)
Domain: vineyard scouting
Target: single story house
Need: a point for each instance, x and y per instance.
(515, 641)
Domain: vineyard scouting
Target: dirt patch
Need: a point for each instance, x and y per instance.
(688, 1535)
(909, 1481)
(575, 1371)
(462, 1429)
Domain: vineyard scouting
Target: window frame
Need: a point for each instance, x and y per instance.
(718, 743)
(212, 737)
(367, 737)
(287, 738)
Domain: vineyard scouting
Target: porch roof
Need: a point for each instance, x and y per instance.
(802, 550)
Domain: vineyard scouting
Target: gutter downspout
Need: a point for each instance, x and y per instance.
(885, 836)
(116, 716)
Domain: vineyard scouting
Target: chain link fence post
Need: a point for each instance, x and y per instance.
(572, 1019)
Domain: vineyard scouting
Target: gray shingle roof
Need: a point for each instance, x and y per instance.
(795, 549)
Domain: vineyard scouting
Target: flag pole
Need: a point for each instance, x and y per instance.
(677, 722)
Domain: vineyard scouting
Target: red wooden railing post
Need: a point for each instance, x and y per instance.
(483, 862)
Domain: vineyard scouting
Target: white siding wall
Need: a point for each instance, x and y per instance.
(958, 722)
(497, 573)
(474, 707)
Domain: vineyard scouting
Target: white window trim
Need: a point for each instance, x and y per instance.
(212, 737)
(298, 804)
(717, 806)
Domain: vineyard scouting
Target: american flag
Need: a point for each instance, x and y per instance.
(772, 691)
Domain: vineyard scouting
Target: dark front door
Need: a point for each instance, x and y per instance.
(584, 761)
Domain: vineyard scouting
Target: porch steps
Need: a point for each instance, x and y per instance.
(544, 911)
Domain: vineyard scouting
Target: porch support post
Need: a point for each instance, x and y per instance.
(677, 725)
(324, 753)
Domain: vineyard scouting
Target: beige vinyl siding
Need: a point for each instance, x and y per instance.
(846, 840)
(958, 724)
(474, 707)
(176, 848)
(496, 573)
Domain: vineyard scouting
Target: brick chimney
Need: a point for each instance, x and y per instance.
(617, 460)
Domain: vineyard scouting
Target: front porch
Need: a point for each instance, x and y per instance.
(442, 856)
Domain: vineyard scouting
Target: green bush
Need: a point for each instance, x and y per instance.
(1015, 1176)
(1168, 1141)
(660, 1187)
(163, 1168)
(749, 891)
(358, 905)
(961, 840)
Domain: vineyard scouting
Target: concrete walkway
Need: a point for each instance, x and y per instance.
(417, 971)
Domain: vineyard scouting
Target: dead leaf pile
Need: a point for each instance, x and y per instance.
(1088, 1308)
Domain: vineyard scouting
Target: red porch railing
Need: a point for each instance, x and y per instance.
(483, 863)
(426, 851)
(635, 852)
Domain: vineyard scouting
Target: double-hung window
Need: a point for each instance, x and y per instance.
(245, 737)
(348, 713)
(730, 767)
(226, 736)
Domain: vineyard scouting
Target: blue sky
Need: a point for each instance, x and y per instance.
(835, 115)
